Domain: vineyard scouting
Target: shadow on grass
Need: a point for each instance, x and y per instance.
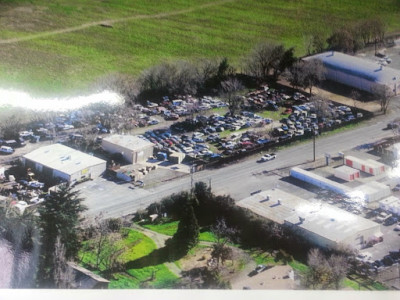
(158, 256)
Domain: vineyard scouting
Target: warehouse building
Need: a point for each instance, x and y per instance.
(59, 161)
(357, 72)
(132, 148)
(323, 225)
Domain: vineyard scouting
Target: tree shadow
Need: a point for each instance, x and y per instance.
(157, 257)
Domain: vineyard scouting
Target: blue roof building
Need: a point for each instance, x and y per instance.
(357, 72)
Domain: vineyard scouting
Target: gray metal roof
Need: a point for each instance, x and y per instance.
(322, 219)
(357, 67)
(63, 158)
(128, 141)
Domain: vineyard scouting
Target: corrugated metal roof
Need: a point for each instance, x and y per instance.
(63, 158)
(356, 66)
(128, 141)
(324, 220)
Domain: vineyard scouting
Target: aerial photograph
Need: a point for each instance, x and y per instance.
(188, 145)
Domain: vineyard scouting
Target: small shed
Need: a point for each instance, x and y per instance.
(347, 173)
(368, 165)
(85, 279)
(176, 157)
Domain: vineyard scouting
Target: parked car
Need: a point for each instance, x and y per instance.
(6, 150)
(390, 221)
(36, 184)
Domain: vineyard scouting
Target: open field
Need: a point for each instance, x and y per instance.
(59, 46)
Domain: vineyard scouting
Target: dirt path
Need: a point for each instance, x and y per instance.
(110, 22)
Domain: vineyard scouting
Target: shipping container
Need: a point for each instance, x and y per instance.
(368, 166)
(347, 173)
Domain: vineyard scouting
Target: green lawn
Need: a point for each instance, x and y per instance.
(146, 33)
(132, 278)
(171, 227)
(137, 245)
(165, 228)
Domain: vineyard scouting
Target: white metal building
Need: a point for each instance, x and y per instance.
(357, 72)
(133, 149)
(59, 161)
(319, 181)
(324, 225)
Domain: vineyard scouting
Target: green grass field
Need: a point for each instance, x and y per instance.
(59, 46)
(137, 246)
(171, 227)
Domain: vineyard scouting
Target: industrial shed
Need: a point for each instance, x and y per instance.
(323, 225)
(59, 161)
(368, 165)
(357, 72)
(347, 173)
(319, 181)
(132, 148)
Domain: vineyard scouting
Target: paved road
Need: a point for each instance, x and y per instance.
(238, 179)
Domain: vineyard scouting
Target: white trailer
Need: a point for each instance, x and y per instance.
(347, 173)
(368, 166)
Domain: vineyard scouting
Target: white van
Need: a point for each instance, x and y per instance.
(6, 149)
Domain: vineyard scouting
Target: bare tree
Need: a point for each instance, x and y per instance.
(229, 91)
(318, 269)
(295, 74)
(384, 94)
(356, 96)
(342, 39)
(338, 269)
(313, 73)
(223, 235)
(321, 106)
(267, 59)
(325, 273)
(63, 274)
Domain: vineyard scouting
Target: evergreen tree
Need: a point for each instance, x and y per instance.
(59, 217)
(187, 234)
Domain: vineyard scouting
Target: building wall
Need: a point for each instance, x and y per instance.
(132, 156)
(90, 172)
(355, 240)
(350, 80)
(127, 154)
(59, 174)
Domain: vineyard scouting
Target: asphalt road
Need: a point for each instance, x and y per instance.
(238, 179)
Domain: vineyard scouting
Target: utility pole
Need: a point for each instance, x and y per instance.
(314, 144)
(191, 177)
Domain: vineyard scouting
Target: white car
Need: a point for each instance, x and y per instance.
(36, 184)
(6, 149)
(268, 157)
